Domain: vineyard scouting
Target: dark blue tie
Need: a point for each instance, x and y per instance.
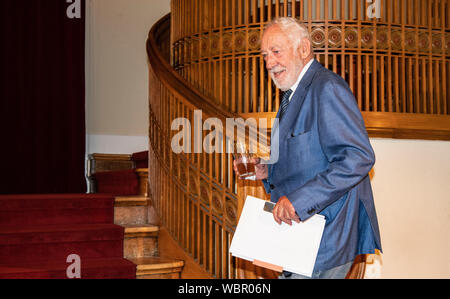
(285, 102)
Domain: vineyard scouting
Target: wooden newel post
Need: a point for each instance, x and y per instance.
(143, 181)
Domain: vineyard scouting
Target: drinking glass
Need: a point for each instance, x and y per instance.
(245, 161)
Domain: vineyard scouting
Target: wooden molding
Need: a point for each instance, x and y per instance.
(113, 157)
(407, 126)
(393, 125)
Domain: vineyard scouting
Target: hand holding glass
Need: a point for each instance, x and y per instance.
(244, 162)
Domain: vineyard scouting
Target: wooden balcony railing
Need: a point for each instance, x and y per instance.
(205, 57)
(398, 65)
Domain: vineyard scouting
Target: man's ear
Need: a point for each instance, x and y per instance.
(305, 48)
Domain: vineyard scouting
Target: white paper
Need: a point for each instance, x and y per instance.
(259, 237)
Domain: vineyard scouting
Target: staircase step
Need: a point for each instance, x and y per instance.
(37, 243)
(23, 210)
(141, 241)
(131, 210)
(131, 201)
(141, 230)
(158, 268)
(61, 201)
(120, 182)
(110, 268)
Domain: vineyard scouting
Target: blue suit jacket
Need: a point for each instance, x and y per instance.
(324, 160)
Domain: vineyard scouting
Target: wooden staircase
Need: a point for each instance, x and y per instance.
(141, 223)
(146, 243)
(136, 215)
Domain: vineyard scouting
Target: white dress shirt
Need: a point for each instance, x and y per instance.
(303, 72)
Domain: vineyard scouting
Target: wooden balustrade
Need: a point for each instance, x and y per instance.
(194, 193)
(205, 56)
(397, 65)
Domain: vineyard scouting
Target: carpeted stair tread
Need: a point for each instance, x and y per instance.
(91, 248)
(114, 268)
(28, 210)
(59, 233)
(120, 182)
(141, 159)
(56, 216)
(55, 201)
(39, 232)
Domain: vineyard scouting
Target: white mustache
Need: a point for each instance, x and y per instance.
(277, 69)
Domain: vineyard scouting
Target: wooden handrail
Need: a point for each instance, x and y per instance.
(181, 88)
(197, 196)
(174, 81)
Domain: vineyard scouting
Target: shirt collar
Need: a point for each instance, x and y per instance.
(302, 74)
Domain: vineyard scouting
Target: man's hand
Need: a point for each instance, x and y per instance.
(261, 170)
(284, 212)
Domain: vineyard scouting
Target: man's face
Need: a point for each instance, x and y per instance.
(283, 62)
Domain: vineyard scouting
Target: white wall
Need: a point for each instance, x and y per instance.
(117, 73)
(411, 178)
(412, 195)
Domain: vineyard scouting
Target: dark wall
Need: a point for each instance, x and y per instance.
(42, 105)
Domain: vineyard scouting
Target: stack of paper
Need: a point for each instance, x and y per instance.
(259, 238)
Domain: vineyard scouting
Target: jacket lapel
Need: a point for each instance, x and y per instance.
(294, 107)
(297, 100)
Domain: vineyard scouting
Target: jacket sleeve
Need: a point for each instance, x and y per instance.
(266, 186)
(345, 143)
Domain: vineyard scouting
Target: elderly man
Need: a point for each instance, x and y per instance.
(324, 152)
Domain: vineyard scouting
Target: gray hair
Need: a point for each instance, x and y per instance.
(295, 30)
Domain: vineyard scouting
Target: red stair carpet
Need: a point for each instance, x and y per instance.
(119, 183)
(39, 232)
(141, 159)
(122, 182)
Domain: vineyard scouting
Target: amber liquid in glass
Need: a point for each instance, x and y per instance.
(246, 169)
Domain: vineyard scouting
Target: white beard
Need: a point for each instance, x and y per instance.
(289, 81)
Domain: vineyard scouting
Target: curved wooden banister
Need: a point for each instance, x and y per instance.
(175, 82)
(197, 196)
